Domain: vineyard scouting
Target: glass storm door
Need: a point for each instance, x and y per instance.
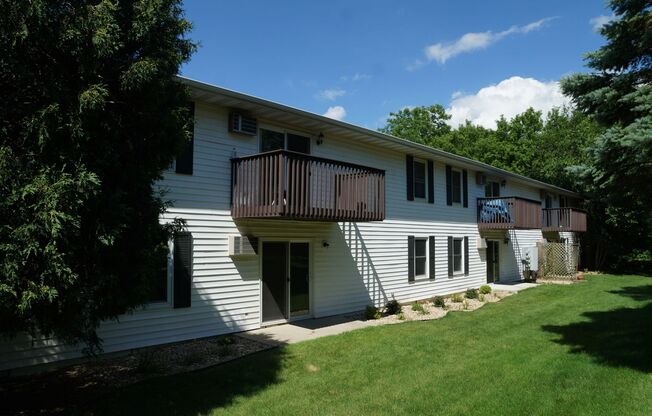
(275, 256)
(286, 280)
(492, 262)
(299, 279)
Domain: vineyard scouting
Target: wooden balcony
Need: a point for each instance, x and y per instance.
(289, 185)
(508, 213)
(564, 219)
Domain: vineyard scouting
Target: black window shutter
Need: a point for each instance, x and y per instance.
(465, 188)
(182, 269)
(409, 173)
(184, 160)
(495, 186)
(466, 256)
(410, 258)
(431, 182)
(450, 256)
(431, 255)
(449, 185)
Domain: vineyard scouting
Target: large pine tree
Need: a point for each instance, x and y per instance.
(90, 116)
(618, 94)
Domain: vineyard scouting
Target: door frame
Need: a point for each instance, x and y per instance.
(288, 241)
(497, 242)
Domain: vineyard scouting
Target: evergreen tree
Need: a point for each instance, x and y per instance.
(91, 115)
(618, 173)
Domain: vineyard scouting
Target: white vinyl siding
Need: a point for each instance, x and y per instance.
(363, 263)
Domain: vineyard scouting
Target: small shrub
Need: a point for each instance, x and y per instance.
(439, 302)
(465, 304)
(392, 307)
(372, 312)
(457, 298)
(227, 340)
(148, 362)
(417, 307)
(471, 294)
(400, 316)
(485, 289)
(192, 358)
(481, 297)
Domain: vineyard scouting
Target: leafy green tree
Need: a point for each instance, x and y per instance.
(425, 125)
(90, 116)
(618, 173)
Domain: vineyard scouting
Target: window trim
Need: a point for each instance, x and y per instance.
(461, 187)
(461, 271)
(285, 133)
(425, 179)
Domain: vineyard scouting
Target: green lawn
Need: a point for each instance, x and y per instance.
(584, 349)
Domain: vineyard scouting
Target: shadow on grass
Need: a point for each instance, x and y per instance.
(197, 392)
(619, 338)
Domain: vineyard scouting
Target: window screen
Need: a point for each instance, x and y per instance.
(457, 255)
(457, 186)
(271, 140)
(420, 257)
(298, 143)
(419, 179)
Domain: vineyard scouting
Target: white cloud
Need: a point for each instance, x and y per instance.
(509, 97)
(331, 94)
(337, 112)
(442, 52)
(599, 21)
(358, 76)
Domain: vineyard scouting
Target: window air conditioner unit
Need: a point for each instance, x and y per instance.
(480, 178)
(240, 245)
(241, 124)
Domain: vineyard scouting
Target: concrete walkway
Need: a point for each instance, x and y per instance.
(511, 286)
(308, 329)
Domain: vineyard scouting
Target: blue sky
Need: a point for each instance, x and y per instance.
(363, 59)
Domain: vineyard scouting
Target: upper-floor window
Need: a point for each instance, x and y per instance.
(419, 179)
(276, 140)
(456, 185)
(563, 201)
(548, 201)
(492, 189)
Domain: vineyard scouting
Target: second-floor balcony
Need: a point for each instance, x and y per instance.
(564, 219)
(502, 213)
(289, 185)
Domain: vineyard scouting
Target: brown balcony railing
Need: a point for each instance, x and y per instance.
(290, 185)
(508, 213)
(564, 219)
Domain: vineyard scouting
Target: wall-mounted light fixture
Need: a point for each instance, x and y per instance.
(506, 240)
(503, 183)
(320, 138)
(325, 244)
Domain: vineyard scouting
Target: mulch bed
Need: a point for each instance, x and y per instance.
(69, 388)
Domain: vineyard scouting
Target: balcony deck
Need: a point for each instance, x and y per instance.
(511, 212)
(564, 219)
(289, 185)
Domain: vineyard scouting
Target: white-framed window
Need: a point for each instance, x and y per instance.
(420, 178)
(283, 140)
(456, 186)
(458, 255)
(421, 257)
